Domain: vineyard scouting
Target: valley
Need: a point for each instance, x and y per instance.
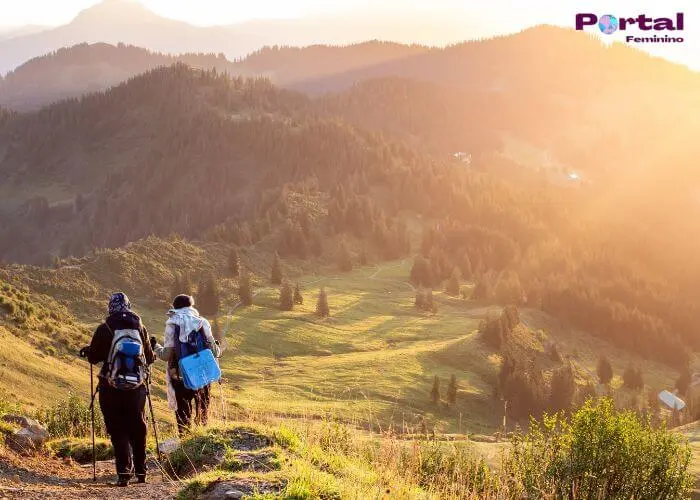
(436, 272)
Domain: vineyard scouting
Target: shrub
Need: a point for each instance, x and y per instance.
(80, 449)
(71, 418)
(599, 453)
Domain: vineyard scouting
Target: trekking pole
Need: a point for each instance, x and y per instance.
(153, 418)
(223, 406)
(92, 416)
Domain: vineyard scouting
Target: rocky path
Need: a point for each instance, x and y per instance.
(43, 478)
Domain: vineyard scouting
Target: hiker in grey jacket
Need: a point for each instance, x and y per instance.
(183, 318)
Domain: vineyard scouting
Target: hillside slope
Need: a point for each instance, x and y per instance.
(292, 364)
(81, 69)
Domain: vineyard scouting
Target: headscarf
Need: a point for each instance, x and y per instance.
(119, 303)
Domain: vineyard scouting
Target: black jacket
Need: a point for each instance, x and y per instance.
(102, 339)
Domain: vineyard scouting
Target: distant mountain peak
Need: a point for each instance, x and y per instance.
(117, 11)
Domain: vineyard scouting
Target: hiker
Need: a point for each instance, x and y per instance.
(184, 323)
(121, 344)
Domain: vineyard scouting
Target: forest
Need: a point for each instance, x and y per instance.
(205, 155)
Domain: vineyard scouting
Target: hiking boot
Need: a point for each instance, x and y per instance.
(122, 482)
(141, 478)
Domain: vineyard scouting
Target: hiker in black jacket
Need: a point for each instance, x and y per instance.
(123, 410)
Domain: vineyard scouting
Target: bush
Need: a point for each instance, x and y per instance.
(71, 418)
(80, 449)
(599, 453)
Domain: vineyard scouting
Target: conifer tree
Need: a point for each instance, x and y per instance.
(420, 300)
(493, 330)
(632, 378)
(363, 259)
(209, 299)
(344, 258)
(683, 381)
(421, 273)
(604, 370)
(322, 308)
(276, 272)
(452, 286)
(563, 388)
(467, 271)
(234, 262)
(245, 291)
(511, 318)
(435, 391)
(483, 289)
(286, 296)
(298, 298)
(430, 304)
(452, 390)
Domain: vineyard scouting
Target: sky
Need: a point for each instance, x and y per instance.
(478, 17)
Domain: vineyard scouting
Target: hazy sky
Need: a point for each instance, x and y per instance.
(479, 17)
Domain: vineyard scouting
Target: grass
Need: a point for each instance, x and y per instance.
(373, 361)
(371, 364)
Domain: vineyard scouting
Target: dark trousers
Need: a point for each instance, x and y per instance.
(125, 419)
(187, 401)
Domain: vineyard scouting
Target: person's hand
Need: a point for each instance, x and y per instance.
(84, 352)
(154, 343)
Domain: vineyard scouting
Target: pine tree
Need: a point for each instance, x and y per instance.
(420, 300)
(467, 271)
(322, 308)
(276, 272)
(632, 378)
(344, 258)
(209, 298)
(604, 370)
(298, 298)
(245, 291)
(286, 296)
(430, 304)
(453, 284)
(683, 381)
(363, 259)
(563, 388)
(492, 328)
(234, 262)
(484, 289)
(435, 391)
(420, 272)
(509, 290)
(452, 390)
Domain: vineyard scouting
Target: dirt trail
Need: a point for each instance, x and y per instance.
(49, 478)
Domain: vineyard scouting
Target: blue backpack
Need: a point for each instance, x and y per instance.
(198, 367)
